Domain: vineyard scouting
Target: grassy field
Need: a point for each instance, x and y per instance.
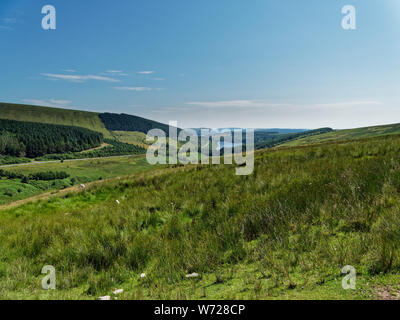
(284, 232)
(19, 112)
(135, 138)
(81, 171)
(349, 134)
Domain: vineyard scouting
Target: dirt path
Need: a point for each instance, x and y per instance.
(387, 293)
(103, 145)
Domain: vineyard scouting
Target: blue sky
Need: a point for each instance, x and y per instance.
(248, 63)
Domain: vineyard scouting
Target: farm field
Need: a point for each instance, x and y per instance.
(284, 232)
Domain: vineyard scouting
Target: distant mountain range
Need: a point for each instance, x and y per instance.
(132, 129)
(272, 130)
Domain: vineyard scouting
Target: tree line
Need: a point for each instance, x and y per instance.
(31, 139)
(44, 176)
(115, 148)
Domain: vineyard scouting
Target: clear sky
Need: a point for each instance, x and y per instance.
(211, 63)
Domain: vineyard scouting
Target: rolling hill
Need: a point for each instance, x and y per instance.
(286, 231)
(349, 134)
(29, 113)
(105, 123)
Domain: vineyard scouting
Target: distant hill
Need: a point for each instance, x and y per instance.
(126, 122)
(348, 134)
(85, 119)
(100, 122)
(257, 130)
(270, 139)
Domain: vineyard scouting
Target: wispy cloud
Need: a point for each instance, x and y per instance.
(233, 104)
(138, 89)
(158, 79)
(117, 73)
(78, 78)
(55, 103)
(5, 23)
(146, 72)
(8, 20)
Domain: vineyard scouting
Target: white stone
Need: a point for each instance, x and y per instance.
(192, 275)
(105, 298)
(117, 201)
(118, 291)
(143, 275)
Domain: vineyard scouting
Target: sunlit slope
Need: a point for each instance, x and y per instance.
(286, 231)
(132, 137)
(89, 120)
(349, 134)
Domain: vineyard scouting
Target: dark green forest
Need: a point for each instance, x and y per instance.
(30, 139)
(126, 122)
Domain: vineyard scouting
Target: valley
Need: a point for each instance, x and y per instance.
(317, 200)
(245, 237)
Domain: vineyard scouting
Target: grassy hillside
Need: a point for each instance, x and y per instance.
(89, 120)
(285, 231)
(349, 134)
(135, 138)
(81, 171)
(269, 140)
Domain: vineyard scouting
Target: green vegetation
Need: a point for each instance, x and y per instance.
(350, 134)
(135, 138)
(17, 185)
(20, 112)
(114, 148)
(79, 171)
(285, 231)
(31, 139)
(264, 140)
(4, 160)
(126, 122)
(45, 176)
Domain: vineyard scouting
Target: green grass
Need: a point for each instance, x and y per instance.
(343, 135)
(82, 171)
(135, 138)
(19, 112)
(284, 232)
